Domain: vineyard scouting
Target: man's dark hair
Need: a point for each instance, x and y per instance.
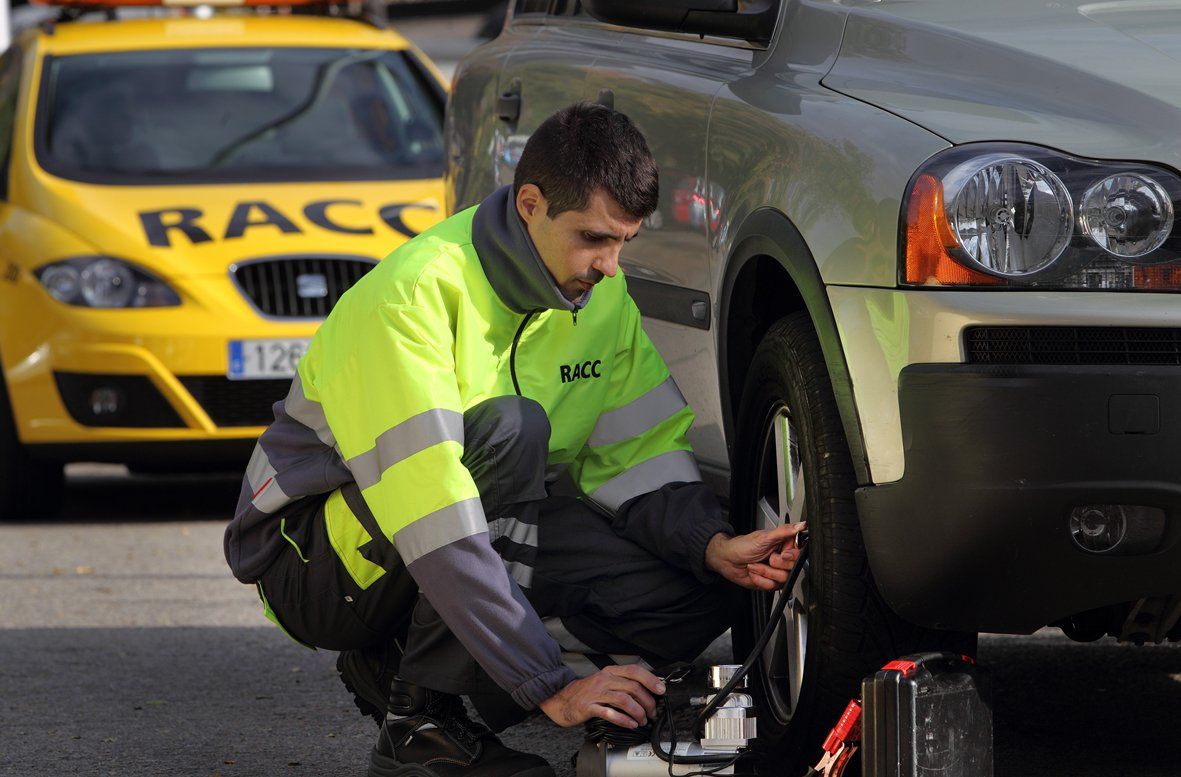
(586, 147)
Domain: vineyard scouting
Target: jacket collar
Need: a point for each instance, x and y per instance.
(510, 260)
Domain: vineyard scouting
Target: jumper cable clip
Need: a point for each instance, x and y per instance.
(840, 745)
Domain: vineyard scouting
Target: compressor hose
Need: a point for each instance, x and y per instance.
(699, 726)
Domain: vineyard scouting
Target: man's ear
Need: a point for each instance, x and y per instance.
(531, 203)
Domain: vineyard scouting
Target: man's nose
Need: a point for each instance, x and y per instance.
(608, 262)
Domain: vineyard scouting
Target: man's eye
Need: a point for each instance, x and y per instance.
(588, 237)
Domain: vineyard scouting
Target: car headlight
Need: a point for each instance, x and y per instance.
(104, 282)
(1128, 214)
(1011, 215)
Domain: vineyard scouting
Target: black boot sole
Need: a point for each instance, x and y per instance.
(382, 765)
(366, 697)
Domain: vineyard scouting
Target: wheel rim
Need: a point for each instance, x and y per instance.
(780, 498)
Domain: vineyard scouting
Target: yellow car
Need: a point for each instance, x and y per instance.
(183, 200)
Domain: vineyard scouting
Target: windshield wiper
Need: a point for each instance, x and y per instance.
(325, 77)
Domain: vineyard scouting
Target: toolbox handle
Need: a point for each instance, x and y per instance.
(908, 665)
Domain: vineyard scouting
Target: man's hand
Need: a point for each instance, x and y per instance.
(618, 694)
(762, 559)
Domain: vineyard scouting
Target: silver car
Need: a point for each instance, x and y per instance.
(915, 267)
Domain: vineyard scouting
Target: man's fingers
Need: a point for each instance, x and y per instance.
(784, 559)
(611, 715)
(635, 690)
(762, 583)
(627, 705)
(640, 675)
(779, 576)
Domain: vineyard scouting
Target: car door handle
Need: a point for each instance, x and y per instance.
(508, 105)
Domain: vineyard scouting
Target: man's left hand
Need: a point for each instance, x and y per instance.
(760, 560)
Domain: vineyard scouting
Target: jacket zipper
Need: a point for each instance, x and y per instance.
(512, 358)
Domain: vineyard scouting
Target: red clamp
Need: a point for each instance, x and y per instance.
(841, 744)
(847, 728)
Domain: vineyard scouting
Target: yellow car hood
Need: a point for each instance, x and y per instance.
(178, 231)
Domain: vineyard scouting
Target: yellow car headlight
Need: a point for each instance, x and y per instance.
(104, 282)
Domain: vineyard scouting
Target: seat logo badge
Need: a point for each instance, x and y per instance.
(587, 369)
(311, 286)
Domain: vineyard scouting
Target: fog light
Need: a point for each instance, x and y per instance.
(1117, 529)
(105, 401)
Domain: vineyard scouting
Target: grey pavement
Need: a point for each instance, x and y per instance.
(127, 649)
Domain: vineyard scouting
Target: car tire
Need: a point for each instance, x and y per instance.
(29, 489)
(837, 628)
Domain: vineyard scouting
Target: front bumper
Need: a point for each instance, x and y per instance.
(975, 535)
(168, 365)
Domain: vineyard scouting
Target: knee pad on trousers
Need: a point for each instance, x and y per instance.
(506, 443)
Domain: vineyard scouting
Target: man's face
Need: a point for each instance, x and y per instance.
(578, 247)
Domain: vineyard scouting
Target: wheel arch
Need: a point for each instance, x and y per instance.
(771, 273)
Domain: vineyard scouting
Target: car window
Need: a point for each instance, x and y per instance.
(9, 88)
(238, 114)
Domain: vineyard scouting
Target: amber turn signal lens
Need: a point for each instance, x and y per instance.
(1165, 278)
(928, 236)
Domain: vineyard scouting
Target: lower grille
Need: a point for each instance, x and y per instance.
(1072, 345)
(237, 402)
(115, 400)
(299, 286)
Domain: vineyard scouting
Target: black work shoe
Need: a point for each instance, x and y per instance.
(367, 674)
(428, 734)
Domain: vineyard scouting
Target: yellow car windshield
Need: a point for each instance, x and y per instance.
(239, 114)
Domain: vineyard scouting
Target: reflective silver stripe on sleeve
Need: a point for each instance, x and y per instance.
(415, 434)
(267, 496)
(637, 416)
(514, 530)
(259, 470)
(442, 527)
(307, 412)
(270, 497)
(672, 467)
(522, 573)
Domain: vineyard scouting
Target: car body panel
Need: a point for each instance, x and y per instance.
(667, 87)
(472, 144)
(1094, 79)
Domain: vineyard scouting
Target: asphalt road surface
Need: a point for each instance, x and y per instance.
(127, 649)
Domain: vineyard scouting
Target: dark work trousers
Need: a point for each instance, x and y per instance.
(598, 592)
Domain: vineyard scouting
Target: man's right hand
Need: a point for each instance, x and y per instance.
(622, 695)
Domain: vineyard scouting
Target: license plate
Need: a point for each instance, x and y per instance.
(255, 359)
